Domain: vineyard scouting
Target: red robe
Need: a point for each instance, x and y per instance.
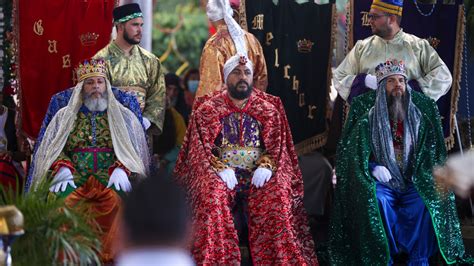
(278, 228)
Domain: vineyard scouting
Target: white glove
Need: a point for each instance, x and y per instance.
(371, 81)
(119, 179)
(382, 174)
(62, 178)
(228, 176)
(146, 123)
(261, 176)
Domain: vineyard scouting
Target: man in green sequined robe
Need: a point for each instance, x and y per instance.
(134, 69)
(386, 200)
(90, 147)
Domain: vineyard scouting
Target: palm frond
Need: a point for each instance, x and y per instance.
(54, 233)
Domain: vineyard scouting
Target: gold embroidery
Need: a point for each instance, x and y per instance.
(218, 165)
(257, 22)
(305, 46)
(301, 100)
(38, 27)
(88, 39)
(276, 58)
(66, 61)
(266, 161)
(434, 42)
(52, 46)
(286, 75)
(365, 18)
(296, 84)
(269, 38)
(311, 108)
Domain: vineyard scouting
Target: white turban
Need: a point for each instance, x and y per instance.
(220, 9)
(233, 62)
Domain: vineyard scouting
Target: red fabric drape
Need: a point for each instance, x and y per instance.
(53, 37)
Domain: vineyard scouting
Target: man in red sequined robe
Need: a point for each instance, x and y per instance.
(238, 159)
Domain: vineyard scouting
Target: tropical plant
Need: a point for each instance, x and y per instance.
(183, 47)
(54, 233)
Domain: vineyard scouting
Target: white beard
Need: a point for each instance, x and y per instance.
(96, 104)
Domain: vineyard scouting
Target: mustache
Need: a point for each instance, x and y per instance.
(89, 94)
(242, 82)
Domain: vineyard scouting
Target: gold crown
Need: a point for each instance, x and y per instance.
(89, 39)
(305, 46)
(92, 68)
(434, 42)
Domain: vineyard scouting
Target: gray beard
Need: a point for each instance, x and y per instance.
(96, 104)
(397, 108)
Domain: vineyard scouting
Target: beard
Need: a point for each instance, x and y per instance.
(96, 104)
(397, 107)
(128, 39)
(382, 32)
(238, 94)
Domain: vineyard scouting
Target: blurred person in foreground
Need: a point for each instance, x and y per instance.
(156, 224)
(457, 174)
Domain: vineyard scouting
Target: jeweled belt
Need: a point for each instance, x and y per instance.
(94, 152)
(240, 157)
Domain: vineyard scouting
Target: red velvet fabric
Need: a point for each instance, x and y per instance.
(54, 36)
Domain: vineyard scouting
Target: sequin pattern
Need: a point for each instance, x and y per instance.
(356, 231)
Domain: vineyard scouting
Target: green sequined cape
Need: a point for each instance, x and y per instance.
(357, 236)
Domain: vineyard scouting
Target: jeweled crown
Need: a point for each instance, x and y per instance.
(91, 68)
(304, 46)
(389, 68)
(89, 39)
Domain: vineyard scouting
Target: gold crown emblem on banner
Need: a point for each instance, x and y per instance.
(305, 46)
(434, 42)
(89, 39)
(92, 68)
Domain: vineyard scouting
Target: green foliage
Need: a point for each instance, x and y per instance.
(54, 234)
(188, 40)
(170, 5)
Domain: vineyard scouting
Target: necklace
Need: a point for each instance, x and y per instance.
(421, 12)
(395, 136)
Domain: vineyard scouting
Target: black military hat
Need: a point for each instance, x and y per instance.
(127, 12)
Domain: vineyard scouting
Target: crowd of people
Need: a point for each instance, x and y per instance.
(187, 170)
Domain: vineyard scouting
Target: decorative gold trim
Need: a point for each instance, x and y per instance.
(311, 144)
(457, 69)
(329, 108)
(349, 27)
(316, 142)
(243, 15)
(387, 10)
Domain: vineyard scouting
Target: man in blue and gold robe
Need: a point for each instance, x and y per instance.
(91, 141)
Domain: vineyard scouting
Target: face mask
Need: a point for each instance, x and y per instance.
(193, 85)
